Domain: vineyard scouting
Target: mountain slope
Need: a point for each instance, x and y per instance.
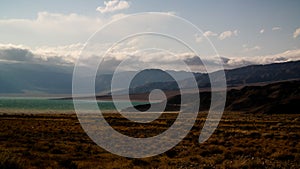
(282, 97)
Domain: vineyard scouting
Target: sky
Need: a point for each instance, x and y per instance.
(243, 32)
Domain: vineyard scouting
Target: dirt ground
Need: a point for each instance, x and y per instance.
(240, 141)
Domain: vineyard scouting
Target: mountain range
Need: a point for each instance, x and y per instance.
(23, 78)
(235, 77)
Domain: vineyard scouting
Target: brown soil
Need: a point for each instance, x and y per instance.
(241, 141)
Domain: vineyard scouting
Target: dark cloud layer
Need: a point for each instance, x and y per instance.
(14, 54)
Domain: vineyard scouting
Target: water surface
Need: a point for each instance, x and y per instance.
(50, 104)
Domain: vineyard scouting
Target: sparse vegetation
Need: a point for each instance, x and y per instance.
(9, 160)
(241, 141)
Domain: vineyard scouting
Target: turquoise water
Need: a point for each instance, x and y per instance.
(47, 104)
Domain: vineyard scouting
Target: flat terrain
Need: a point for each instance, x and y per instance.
(241, 141)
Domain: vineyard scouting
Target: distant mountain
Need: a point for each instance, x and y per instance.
(237, 77)
(281, 97)
(139, 81)
(263, 73)
(35, 78)
(20, 78)
(146, 80)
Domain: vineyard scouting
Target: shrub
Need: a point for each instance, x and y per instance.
(139, 162)
(10, 161)
(283, 156)
(68, 164)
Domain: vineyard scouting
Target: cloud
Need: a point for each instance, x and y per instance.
(296, 33)
(193, 60)
(222, 36)
(199, 38)
(228, 34)
(56, 29)
(209, 33)
(50, 29)
(276, 28)
(21, 54)
(249, 49)
(262, 31)
(286, 56)
(137, 60)
(236, 62)
(16, 54)
(69, 53)
(113, 5)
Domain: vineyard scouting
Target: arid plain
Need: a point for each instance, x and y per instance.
(241, 140)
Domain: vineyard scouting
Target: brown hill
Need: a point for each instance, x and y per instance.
(281, 97)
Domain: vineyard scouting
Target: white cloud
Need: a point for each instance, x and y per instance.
(262, 31)
(67, 55)
(209, 33)
(199, 38)
(276, 28)
(249, 49)
(286, 56)
(10, 46)
(49, 29)
(55, 29)
(296, 33)
(113, 5)
(255, 48)
(228, 34)
(222, 36)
